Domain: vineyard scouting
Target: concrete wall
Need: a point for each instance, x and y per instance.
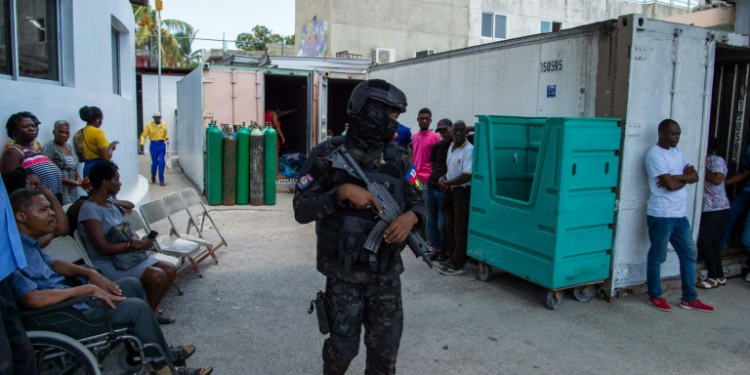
(408, 26)
(717, 17)
(313, 28)
(168, 104)
(525, 16)
(87, 80)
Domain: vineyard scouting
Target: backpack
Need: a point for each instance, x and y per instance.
(78, 142)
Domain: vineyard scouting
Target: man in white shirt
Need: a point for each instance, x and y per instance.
(668, 173)
(457, 186)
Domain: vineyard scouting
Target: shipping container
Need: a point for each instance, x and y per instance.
(633, 68)
(237, 91)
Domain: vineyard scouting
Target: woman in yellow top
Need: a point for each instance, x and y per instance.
(157, 132)
(94, 143)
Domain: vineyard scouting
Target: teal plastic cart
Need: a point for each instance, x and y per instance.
(543, 200)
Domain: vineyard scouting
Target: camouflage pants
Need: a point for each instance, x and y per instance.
(375, 305)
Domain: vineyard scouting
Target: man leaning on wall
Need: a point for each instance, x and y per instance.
(669, 172)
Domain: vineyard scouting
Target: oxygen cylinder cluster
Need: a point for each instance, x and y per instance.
(241, 164)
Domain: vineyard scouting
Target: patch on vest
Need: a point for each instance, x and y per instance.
(304, 181)
(411, 176)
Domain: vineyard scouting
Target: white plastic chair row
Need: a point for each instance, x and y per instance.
(182, 245)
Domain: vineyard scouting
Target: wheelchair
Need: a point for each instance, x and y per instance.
(70, 341)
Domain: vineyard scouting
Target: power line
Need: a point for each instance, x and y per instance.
(213, 40)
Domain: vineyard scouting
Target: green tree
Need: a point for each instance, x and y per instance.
(260, 37)
(289, 39)
(173, 52)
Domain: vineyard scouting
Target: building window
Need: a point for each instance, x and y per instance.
(549, 26)
(6, 66)
(494, 25)
(36, 33)
(116, 62)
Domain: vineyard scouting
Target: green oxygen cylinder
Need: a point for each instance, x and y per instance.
(213, 164)
(243, 165)
(229, 169)
(271, 165)
(256, 167)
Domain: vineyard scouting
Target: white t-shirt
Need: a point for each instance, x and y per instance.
(665, 203)
(459, 161)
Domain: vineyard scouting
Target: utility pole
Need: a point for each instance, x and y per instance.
(159, 7)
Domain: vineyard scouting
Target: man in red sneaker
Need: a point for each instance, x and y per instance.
(668, 173)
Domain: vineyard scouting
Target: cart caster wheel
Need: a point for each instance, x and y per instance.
(554, 299)
(584, 293)
(485, 271)
(129, 363)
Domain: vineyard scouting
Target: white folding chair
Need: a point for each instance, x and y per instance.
(154, 212)
(67, 248)
(191, 199)
(174, 205)
(139, 228)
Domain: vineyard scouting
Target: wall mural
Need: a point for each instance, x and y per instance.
(314, 38)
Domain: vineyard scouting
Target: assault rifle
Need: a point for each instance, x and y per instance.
(342, 159)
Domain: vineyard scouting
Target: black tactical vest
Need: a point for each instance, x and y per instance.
(342, 235)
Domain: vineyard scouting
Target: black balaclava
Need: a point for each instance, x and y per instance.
(372, 126)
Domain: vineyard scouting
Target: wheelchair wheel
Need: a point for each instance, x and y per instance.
(58, 354)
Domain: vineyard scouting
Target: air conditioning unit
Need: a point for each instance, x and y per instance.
(424, 53)
(383, 55)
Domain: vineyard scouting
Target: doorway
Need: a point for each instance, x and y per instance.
(730, 122)
(289, 93)
(339, 91)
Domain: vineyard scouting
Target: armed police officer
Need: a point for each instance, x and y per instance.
(362, 287)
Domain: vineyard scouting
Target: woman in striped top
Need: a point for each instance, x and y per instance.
(24, 131)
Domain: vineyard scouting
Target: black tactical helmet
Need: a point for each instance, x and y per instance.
(376, 89)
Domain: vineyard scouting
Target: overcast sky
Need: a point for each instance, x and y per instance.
(232, 17)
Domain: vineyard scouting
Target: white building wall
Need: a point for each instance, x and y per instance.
(87, 80)
(324, 27)
(525, 16)
(150, 92)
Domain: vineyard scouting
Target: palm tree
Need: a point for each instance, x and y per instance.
(185, 42)
(172, 52)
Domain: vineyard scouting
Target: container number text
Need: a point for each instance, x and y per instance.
(551, 66)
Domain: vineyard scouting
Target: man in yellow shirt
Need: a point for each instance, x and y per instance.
(156, 131)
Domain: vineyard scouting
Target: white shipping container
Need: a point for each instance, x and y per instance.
(633, 68)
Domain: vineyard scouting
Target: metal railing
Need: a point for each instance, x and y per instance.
(684, 4)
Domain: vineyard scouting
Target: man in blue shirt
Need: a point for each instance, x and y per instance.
(403, 137)
(16, 353)
(42, 283)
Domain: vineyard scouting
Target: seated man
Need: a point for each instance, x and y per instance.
(42, 283)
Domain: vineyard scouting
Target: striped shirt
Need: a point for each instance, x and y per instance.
(49, 174)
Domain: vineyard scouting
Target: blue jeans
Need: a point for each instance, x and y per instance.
(740, 205)
(158, 150)
(435, 218)
(661, 231)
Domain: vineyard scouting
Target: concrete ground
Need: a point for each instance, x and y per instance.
(248, 315)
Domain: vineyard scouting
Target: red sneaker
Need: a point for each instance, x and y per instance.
(696, 305)
(660, 304)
